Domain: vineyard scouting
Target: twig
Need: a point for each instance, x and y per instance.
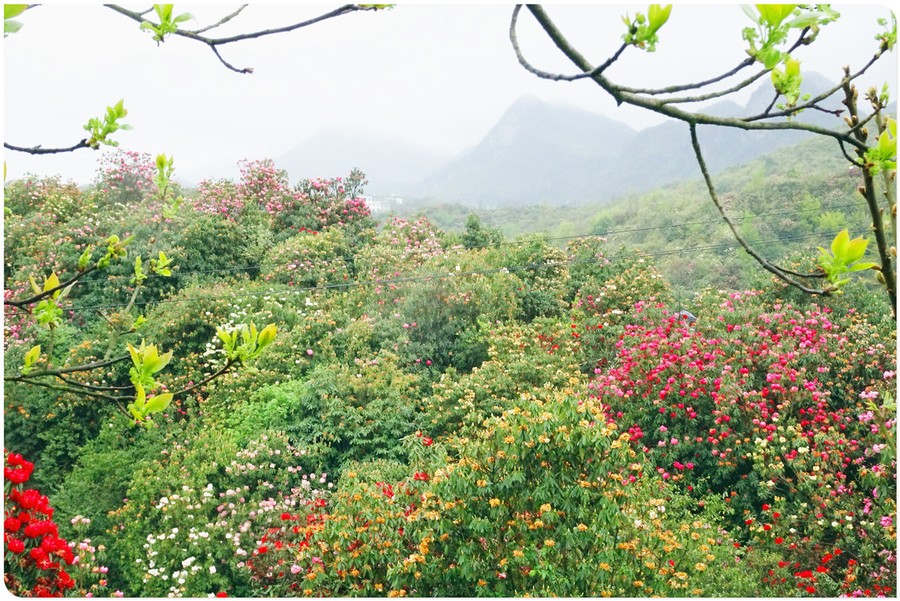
(221, 21)
(212, 43)
(38, 150)
(780, 273)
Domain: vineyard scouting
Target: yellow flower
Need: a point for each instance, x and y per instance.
(638, 583)
(495, 502)
(549, 543)
(509, 440)
(482, 583)
(545, 507)
(481, 483)
(605, 566)
(518, 553)
(543, 438)
(700, 567)
(582, 527)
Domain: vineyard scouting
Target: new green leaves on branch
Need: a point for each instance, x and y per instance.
(147, 362)
(642, 30)
(843, 258)
(773, 27)
(787, 82)
(167, 24)
(883, 156)
(115, 249)
(48, 312)
(10, 11)
(101, 128)
(30, 358)
(246, 343)
(142, 407)
(165, 166)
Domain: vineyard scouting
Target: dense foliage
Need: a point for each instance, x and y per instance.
(440, 414)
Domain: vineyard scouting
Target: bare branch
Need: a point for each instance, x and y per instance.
(38, 150)
(222, 21)
(780, 273)
(212, 43)
(546, 74)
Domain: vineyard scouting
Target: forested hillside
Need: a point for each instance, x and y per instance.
(396, 409)
(791, 201)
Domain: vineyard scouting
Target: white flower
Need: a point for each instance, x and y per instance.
(212, 569)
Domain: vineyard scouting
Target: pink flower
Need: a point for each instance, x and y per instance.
(886, 521)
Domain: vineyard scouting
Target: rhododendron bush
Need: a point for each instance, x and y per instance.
(438, 415)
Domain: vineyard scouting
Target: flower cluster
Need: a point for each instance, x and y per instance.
(36, 557)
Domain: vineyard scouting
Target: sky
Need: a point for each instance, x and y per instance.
(435, 75)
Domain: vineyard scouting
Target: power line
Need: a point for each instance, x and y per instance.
(382, 282)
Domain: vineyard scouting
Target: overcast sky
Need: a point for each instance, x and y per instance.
(437, 75)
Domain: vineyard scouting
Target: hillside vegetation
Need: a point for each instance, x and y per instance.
(792, 201)
(440, 413)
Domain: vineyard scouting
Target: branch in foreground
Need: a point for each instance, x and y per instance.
(777, 271)
(38, 150)
(212, 43)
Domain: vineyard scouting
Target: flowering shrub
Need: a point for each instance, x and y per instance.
(461, 527)
(35, 559)
(746, 408)
(182, 531)
(124, 177)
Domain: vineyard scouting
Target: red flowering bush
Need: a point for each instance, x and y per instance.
(764, 406)
(35, 557)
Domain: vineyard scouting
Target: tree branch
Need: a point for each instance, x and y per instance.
(780, 273)
(221, 21)
(23, 304)
(546, 74)
(212, 43)
(621, 95)
(38, 150)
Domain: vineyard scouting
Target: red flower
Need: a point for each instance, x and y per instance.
(779, 540)
(765, 507)
(222, 594)
(821, 569)
(426, 441)
(263, 549)
(767, 527)
(810, 590)
(12, 525)
(285, 516)
(16, 546)
(421, 476)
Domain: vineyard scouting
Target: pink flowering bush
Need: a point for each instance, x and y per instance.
(124, 177)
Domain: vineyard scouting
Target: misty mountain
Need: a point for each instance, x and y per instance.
(390, 165)
(541, 152)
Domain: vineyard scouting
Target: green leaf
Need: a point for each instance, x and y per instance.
(158, 403)
(839, 244)
(160, 361)
(84, 259)
(51, 282)
(658, 15)
(135, 358)
(267, 336)
(13, 10)
(862, 266)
